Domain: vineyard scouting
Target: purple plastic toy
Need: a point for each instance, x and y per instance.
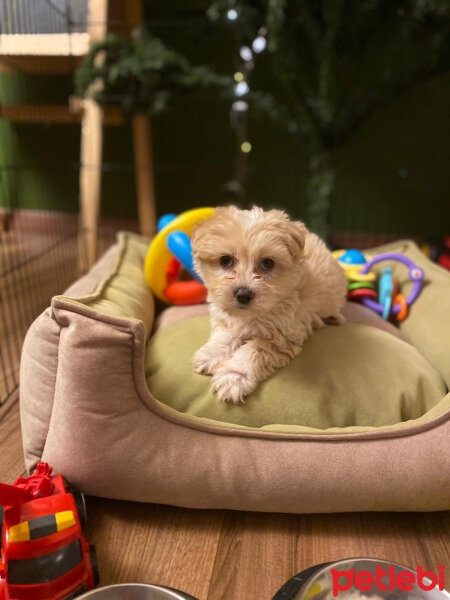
(416, 275)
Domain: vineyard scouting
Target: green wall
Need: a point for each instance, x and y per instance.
(393, 177)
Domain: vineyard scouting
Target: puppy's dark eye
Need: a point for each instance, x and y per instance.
(226, 261)
(267, 264)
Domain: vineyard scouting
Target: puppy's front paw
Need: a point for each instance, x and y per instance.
(337, 319)
(205, 361)
(231, 385)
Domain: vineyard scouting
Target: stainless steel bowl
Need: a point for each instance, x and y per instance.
(135, 591)
(316, 583)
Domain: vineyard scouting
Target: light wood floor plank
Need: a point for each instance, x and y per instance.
(154, 544)
(256, 555)
(406, 538)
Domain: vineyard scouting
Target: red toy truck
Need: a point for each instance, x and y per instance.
(44, 555)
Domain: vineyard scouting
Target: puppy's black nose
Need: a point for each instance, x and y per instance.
(244, 295)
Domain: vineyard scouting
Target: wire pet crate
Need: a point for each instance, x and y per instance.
(57, 27)
(42, 250)
(39, 250)
(39, 256)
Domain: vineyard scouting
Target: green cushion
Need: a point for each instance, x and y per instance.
(353, 375)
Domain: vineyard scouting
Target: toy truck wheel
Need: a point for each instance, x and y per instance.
(80, 504)
(94, 565)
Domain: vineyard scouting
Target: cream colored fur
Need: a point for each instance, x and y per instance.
(305, 288)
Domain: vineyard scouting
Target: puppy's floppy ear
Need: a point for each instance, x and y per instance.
(215, 223)
(198, 236)
(296, 231)
(199, 232)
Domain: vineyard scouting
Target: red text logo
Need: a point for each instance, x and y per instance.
(387, 579)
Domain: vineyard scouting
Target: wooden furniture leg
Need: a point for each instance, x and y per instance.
(92, 144)
(90, 176)
(143, 168)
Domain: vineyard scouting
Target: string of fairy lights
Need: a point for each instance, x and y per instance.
(239, 107)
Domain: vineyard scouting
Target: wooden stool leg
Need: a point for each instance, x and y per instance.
(90, 176)
(92, 145)
(144, 173)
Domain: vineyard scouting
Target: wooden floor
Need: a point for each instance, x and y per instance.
(226, 555)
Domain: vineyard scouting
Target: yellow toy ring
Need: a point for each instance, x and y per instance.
(353, 271)
(158, 255)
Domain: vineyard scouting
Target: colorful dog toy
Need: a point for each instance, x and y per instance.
(169, 251)
(361, 282)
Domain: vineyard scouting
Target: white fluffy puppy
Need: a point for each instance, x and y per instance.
(270, 283)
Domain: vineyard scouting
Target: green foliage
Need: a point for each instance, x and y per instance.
(141, 74)
(330, 63)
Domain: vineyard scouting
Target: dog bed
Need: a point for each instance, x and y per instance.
(359, 421)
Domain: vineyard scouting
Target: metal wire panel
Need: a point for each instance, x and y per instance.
(23, 17)
(41, 253)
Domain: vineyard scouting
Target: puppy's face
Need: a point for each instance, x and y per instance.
(248, 259)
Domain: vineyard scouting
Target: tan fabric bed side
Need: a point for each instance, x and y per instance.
(38, 369)
(175, 464)
(119, 290)
(39, 364)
